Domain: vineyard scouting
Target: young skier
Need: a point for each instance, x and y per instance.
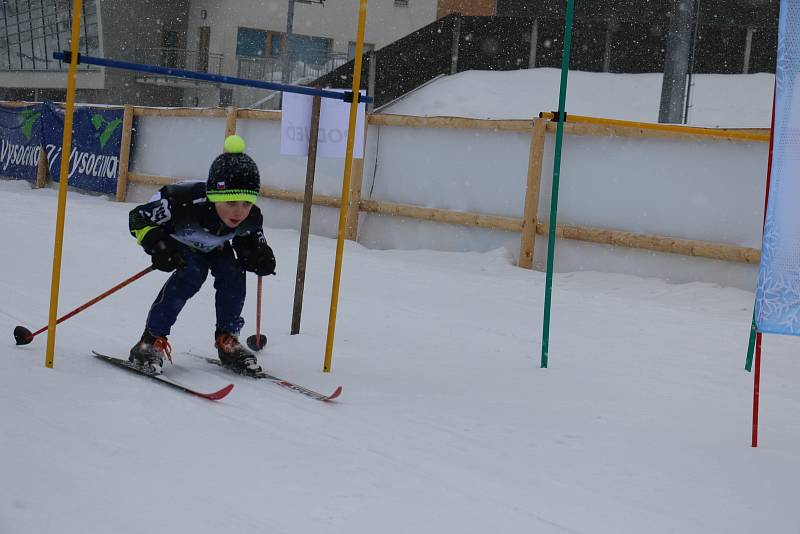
(191, 228)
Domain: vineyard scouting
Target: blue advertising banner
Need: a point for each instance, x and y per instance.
(96, 141)
(20, 141)
(778, 291)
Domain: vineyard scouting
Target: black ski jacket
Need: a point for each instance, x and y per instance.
(184, 212)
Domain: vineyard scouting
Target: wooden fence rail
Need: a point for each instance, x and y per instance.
(687, 247)
(528, 225)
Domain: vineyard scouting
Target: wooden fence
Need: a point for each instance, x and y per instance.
(528, 225)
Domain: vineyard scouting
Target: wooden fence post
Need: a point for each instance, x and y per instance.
(532, 189)
(351, 224)
(125, 153)
(230, 121)
(41, 167)
(356, 181)
(305, 225)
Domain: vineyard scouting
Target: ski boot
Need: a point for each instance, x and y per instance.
(150, 351)
(235, 356)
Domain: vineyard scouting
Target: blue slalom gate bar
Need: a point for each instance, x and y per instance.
(347, 96)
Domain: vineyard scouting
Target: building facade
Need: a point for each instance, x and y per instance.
(249, 40)
(240, 38)
(129, 30)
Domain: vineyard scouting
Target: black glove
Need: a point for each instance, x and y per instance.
(166, 256)
(259, 259)
(163, 250)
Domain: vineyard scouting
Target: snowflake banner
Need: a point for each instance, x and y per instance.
(778, 292)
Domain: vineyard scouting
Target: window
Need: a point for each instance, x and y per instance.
(309, 50)
(251, 43)
(31, 30)
(275, 42)
(170, 39)
(351, 49)
(225, 97)
(264, 44)
(203, 43)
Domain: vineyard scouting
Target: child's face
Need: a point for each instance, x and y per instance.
(233, 213)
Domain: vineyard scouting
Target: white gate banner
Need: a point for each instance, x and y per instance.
(333, 122)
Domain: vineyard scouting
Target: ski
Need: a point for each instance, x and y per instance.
(263, 375)
(125, 364)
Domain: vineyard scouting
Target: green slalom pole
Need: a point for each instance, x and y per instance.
(551, 237)
(751, 344)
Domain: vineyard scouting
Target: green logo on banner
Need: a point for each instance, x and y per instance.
(110, 127)
(27, 119)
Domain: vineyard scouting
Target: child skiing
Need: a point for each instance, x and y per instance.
(191, 228)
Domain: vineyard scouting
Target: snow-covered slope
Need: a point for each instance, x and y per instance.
(447, 424)
(717, 100)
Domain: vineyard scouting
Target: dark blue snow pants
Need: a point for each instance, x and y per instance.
(229, 283)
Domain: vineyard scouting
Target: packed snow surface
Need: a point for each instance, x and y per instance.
(447, 423)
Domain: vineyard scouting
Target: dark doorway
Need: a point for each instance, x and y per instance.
(169, 49)
(202, 48)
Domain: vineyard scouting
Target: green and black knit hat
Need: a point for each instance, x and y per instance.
(233, 175)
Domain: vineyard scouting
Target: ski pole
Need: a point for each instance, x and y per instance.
(258, 341)
(23, 336)
(258, 312)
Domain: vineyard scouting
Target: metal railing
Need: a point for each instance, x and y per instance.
(179, 58)
(271, 69)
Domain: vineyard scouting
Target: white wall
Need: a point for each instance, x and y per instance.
(712, 191)
(85, 79)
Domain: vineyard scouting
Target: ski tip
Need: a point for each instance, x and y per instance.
(333, 395)
(217, 395)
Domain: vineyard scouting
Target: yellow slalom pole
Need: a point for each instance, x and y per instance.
(66, 144)
(348, 166)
